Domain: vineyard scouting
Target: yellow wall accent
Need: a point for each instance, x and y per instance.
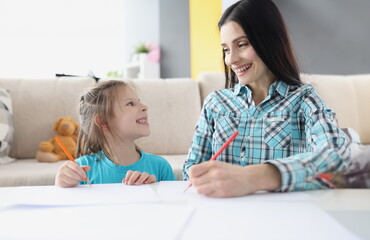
(205, 43)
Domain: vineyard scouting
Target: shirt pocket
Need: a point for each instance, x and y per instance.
(225, 126)
(278, 130)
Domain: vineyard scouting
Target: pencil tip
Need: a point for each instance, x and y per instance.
(87, 180)
(187, 188)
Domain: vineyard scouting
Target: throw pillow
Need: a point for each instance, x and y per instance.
(6, 127)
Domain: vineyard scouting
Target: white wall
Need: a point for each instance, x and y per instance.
(141, 18)
(39, 38)
(227, 3)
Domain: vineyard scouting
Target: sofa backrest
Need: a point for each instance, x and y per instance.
(174, 107)
(347, 95)
(37, 104)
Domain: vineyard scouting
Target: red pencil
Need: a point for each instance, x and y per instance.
(326, 178)
(214, 157)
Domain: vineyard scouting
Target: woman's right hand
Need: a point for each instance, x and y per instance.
(220, 179)
(70, 174)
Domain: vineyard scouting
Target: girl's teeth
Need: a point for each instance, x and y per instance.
(141, 121)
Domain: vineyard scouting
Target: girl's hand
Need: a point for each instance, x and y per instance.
(138, 178)
(70, 174)
(219, 179)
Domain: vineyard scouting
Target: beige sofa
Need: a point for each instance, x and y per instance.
(174, 107)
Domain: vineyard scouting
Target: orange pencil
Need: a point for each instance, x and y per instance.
(65, 150)
(219, 151)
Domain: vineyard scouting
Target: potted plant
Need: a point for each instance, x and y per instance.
(150, 51)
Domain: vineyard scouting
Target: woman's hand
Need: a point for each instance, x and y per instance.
(219, 179)
(70, 174)
(138, 178)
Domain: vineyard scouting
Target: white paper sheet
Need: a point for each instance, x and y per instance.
(173, 191)
(98, 212)
(128, 221)
(80, 195)
(262, 220)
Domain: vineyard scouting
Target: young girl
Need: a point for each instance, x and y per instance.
(287, 134)
(112, 118)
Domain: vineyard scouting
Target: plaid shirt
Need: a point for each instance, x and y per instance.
(292, 129)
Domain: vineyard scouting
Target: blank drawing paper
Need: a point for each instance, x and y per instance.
(81, 195)
(173, 191)
(126, 221)
(229, 219)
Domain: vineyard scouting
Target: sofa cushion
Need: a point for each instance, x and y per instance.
(28, 172)
(6, 127)
(209, 82)
(176, 162)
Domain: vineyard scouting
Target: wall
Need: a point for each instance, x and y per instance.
(40, 38)
(174, 38)
(330, 37)
(141, 20)
(206, 53)
(186, 31)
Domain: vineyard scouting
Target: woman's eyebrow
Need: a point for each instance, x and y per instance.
(236, 39)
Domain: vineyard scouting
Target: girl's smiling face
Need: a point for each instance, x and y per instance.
(130, 119)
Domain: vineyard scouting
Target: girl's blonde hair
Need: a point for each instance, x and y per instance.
(98, 101)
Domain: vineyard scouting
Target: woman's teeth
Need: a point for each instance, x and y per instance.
(239, 70)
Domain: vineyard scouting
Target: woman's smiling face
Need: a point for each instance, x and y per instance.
(240, 56)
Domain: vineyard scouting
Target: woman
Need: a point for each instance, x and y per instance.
(287, 134)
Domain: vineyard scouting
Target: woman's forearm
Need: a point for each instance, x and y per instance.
(267, 176)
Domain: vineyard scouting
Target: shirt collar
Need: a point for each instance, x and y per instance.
(240, 89)
(278, 86)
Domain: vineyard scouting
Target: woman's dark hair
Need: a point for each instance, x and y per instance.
(267, 33)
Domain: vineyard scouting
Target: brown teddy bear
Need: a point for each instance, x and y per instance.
(66, 130)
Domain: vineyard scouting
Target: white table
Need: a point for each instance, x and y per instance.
(349, 207)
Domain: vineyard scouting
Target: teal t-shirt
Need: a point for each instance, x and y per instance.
(103, 170)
